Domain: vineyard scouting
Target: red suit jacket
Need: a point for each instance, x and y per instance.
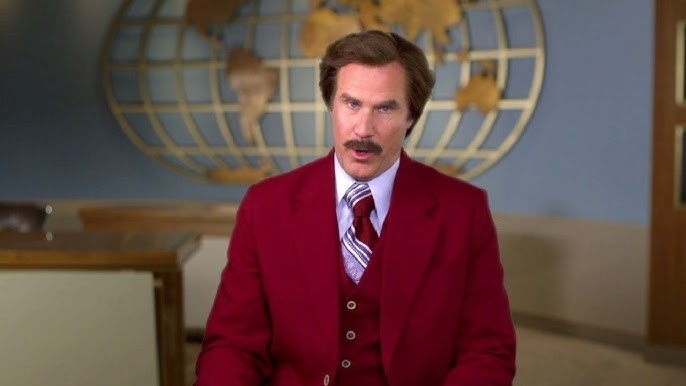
(445, 317)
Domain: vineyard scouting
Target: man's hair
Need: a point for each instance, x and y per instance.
(377, 48)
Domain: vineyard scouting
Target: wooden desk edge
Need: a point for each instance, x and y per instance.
(156, 260)
(207, 219)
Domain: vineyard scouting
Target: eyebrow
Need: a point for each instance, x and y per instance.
(390, 104)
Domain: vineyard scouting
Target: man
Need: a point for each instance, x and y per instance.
(313, 294)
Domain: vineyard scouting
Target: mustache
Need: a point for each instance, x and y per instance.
(368, 146)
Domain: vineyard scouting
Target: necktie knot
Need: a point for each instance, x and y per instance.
(359, 199)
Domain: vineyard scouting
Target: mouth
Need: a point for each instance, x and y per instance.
(362, 156)
(363, 148)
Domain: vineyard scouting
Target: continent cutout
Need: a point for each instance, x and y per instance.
(205, 14)
(241, 175)
(368, 13)
(414, 16)
(450, 170)
(255, 85)
(322, 27)
(352, 3)
(370, 16)
(481, 92)
(436, 16)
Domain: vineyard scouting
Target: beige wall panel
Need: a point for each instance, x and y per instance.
(577, 271)
(64, 328)
(201, 277)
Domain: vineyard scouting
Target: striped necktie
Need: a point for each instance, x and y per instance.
(359, 240)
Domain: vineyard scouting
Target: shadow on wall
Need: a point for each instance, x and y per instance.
(533, 272)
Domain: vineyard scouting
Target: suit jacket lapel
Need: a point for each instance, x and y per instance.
(315, 235)
(410, 231)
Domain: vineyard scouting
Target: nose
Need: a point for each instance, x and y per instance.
(364, 127)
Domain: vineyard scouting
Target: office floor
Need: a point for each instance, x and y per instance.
(547, 359)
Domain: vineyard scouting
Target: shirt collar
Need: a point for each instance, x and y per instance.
(381, 186)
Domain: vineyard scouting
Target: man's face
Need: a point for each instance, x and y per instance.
(370, 118)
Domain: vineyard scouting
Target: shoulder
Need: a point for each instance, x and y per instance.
(442, 184)
(458, 202)
(288, 183)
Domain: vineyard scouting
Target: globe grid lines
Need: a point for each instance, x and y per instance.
(186, 159)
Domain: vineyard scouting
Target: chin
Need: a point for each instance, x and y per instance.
(358, 171)
(362, 176)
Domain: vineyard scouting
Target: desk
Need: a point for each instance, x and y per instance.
(214, 221)
(162, 254)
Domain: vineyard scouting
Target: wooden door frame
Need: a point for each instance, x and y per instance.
(666, 330)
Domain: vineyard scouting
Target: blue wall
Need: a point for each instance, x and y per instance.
(585, 153)
(587, 150)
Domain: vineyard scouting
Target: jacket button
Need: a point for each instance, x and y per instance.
(351, 305)
(350, 335)
(345, 363)
(327, 379)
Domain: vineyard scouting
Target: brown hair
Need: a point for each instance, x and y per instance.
(377, 48)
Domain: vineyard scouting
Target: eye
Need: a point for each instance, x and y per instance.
(352, 104)
(387, 108)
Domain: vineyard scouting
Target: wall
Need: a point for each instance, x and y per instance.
(581, 164)
(585, 153)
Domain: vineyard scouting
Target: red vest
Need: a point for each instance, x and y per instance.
(360, 338)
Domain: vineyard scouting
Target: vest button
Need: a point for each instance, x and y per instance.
(327, 379)
(345, 363)
(351, 305)
(350, 335)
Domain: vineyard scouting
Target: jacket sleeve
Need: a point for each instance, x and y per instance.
(238, 332)
(486, 337)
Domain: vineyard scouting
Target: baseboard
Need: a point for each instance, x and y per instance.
(666, 355)
(623, 340)
(194, 334)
